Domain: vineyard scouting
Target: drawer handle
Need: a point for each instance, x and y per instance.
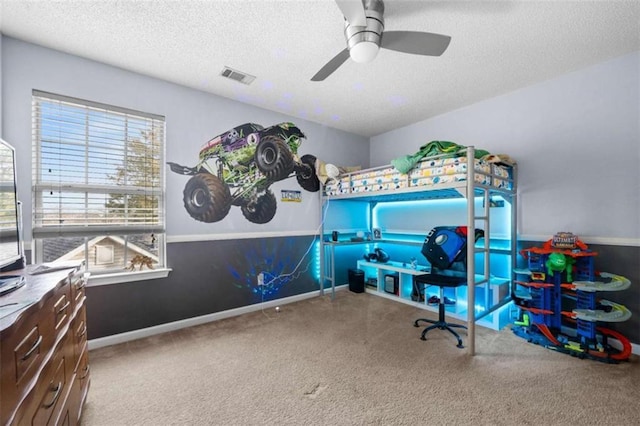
(33, 348)
(82, 332)
(86, 373)
(64, 307)
(57, 390)
(82, 282)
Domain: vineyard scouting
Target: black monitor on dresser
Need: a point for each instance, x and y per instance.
(11, 253)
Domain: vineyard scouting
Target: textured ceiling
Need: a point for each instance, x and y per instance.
(496, 47)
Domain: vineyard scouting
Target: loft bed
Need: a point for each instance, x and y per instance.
(447, 175)
(434, 173)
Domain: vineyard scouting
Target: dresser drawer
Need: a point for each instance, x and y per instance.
(24, 350)
(28, 343)
(79, 330)
(62, 307)
(55, 389)
(78, 283)
(46, 400)
(79, 388)
(28, 353)
(83, 370)
(43, 346)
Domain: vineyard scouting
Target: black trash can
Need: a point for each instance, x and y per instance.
(391, 284)
(356, 280)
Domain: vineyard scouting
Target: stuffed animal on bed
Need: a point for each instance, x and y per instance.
(326, 171)
(407, 162)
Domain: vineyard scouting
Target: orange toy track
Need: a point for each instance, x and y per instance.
(548, 334)
(626, 344)
(536, 310)
(534, 284)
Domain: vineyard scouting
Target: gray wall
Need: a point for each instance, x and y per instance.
(192, 118)
(577, 142)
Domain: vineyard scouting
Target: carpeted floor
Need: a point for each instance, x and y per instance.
(357, 360)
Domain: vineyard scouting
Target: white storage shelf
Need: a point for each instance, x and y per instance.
(334, 251)
(487, 294)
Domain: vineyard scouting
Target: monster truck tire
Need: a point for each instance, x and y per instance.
(306, 174)
(274, 158)
(207, 198)
(262, 210)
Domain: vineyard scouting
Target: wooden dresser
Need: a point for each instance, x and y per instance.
(43, 349)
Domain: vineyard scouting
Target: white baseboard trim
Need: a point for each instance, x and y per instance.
(635, 348)
(190, 322)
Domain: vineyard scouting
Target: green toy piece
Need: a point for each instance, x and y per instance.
(525, 320)
(558, 262)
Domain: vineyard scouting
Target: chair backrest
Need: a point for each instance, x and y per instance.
(445, 248)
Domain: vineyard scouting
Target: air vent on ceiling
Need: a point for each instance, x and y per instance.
(236, 75)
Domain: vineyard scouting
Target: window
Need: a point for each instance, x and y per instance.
(98, 184)
(104, 255)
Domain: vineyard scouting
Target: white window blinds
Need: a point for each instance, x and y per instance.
(97, 169)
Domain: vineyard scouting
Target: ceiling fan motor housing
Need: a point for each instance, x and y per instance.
(364, 42)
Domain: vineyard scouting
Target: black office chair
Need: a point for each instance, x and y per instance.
(445, 248)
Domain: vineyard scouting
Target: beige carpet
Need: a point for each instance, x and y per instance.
(356, 360)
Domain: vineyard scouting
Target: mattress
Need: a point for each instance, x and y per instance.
(428, 172)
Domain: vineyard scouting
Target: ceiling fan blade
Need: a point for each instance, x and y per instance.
(353, 12)
(418, 43)
(331, 66)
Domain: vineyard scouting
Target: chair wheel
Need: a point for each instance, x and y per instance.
(423, 338)
(460, 345)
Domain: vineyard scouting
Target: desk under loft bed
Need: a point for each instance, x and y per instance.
(492, 185)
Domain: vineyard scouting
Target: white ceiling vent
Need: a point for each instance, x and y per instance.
(236, 75)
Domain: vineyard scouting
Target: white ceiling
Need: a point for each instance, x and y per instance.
(496, 47)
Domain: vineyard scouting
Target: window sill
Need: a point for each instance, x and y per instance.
(125, 277)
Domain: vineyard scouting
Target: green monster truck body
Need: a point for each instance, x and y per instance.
(238, 167)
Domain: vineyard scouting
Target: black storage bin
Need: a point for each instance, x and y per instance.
(356, 280)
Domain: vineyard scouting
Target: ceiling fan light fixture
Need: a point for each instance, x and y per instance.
(363, 42)
(364, 36)
(364, 52)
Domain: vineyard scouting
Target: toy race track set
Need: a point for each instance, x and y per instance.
(559, 303)
(237, 167)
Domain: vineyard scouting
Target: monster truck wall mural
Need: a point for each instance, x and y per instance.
(237, 167)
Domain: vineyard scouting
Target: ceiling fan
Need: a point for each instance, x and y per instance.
(364, 31)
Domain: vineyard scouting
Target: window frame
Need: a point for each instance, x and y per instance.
(42, 232)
